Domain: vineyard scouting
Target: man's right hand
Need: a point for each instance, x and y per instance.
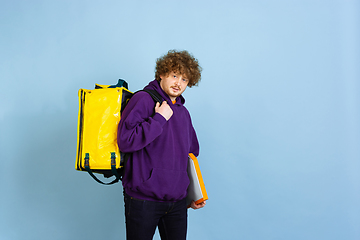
(164, 110)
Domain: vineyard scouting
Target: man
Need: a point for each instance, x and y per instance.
(160, 137)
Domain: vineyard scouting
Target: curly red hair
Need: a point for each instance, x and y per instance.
(180, 62)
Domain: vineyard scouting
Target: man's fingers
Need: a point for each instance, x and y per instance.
(164, 109)
(157, 105)
(197, 206)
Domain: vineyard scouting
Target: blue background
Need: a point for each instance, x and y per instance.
(277, 113)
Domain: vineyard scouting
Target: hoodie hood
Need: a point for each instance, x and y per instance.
(155, 85)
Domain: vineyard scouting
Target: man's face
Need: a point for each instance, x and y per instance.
(173, 84)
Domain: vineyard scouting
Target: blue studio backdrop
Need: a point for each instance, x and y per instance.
(277, 113)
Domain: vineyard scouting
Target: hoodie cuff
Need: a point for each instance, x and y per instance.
(159, 118)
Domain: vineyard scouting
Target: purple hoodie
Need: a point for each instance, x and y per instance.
(157, 168)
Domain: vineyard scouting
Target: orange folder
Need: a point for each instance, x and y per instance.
(196, 189)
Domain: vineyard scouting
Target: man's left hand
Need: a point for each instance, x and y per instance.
(193, 205)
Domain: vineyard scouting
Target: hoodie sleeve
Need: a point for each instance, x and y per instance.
(139, 126)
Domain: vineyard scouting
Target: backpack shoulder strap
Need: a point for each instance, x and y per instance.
(154, 94)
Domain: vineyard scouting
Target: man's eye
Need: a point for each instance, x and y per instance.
(175, 76)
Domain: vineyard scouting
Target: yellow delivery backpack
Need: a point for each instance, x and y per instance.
(99, 115)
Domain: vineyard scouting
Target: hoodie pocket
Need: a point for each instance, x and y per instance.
(166, 185)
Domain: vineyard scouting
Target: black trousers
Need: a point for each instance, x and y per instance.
(142, 217)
